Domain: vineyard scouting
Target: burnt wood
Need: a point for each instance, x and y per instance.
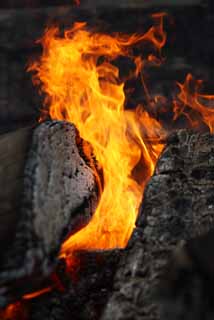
(166, 272)
(178, 205)
(58, 197)
(86, 290)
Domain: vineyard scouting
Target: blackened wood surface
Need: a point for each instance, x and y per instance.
(59, 197)
(178, 204)
(85, 291)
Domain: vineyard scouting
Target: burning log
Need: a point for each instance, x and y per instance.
(95, 272)
(58, 198)
(178, 205)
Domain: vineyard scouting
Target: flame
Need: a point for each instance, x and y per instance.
(191, 98)
(82, 86)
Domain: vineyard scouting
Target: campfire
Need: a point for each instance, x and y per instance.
(103, 180)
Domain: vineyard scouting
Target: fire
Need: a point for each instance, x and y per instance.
(191, 99)
(14, 311)
(82, 86)
(36, 293)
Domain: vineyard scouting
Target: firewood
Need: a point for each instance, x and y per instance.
(83, 299)
(58, 197)
(166, 272)
(151, 282)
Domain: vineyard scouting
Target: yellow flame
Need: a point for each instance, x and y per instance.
(82, 86)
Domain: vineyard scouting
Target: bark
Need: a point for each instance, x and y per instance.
(166, 272)
(59, 197)
(177, 206)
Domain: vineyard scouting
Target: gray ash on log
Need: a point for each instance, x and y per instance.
(59, 197)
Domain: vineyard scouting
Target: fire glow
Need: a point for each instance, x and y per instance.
(87, 92)
(82, 85)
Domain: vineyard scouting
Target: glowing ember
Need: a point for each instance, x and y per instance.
(36, 293)
(14, 311)
(86, 90)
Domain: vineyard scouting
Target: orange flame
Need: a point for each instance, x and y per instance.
(190, 98)
(82, 86)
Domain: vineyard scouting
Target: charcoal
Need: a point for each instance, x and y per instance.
(59, 198)
(162, 274)
(85, 292)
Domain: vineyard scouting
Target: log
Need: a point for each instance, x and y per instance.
(177, 206)
(58, 197)
(166, 272)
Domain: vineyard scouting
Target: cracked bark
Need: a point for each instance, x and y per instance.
(178, 205)
(58, 197)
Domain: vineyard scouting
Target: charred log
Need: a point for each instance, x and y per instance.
(85, 293)
(178, 205)
(59, 196)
